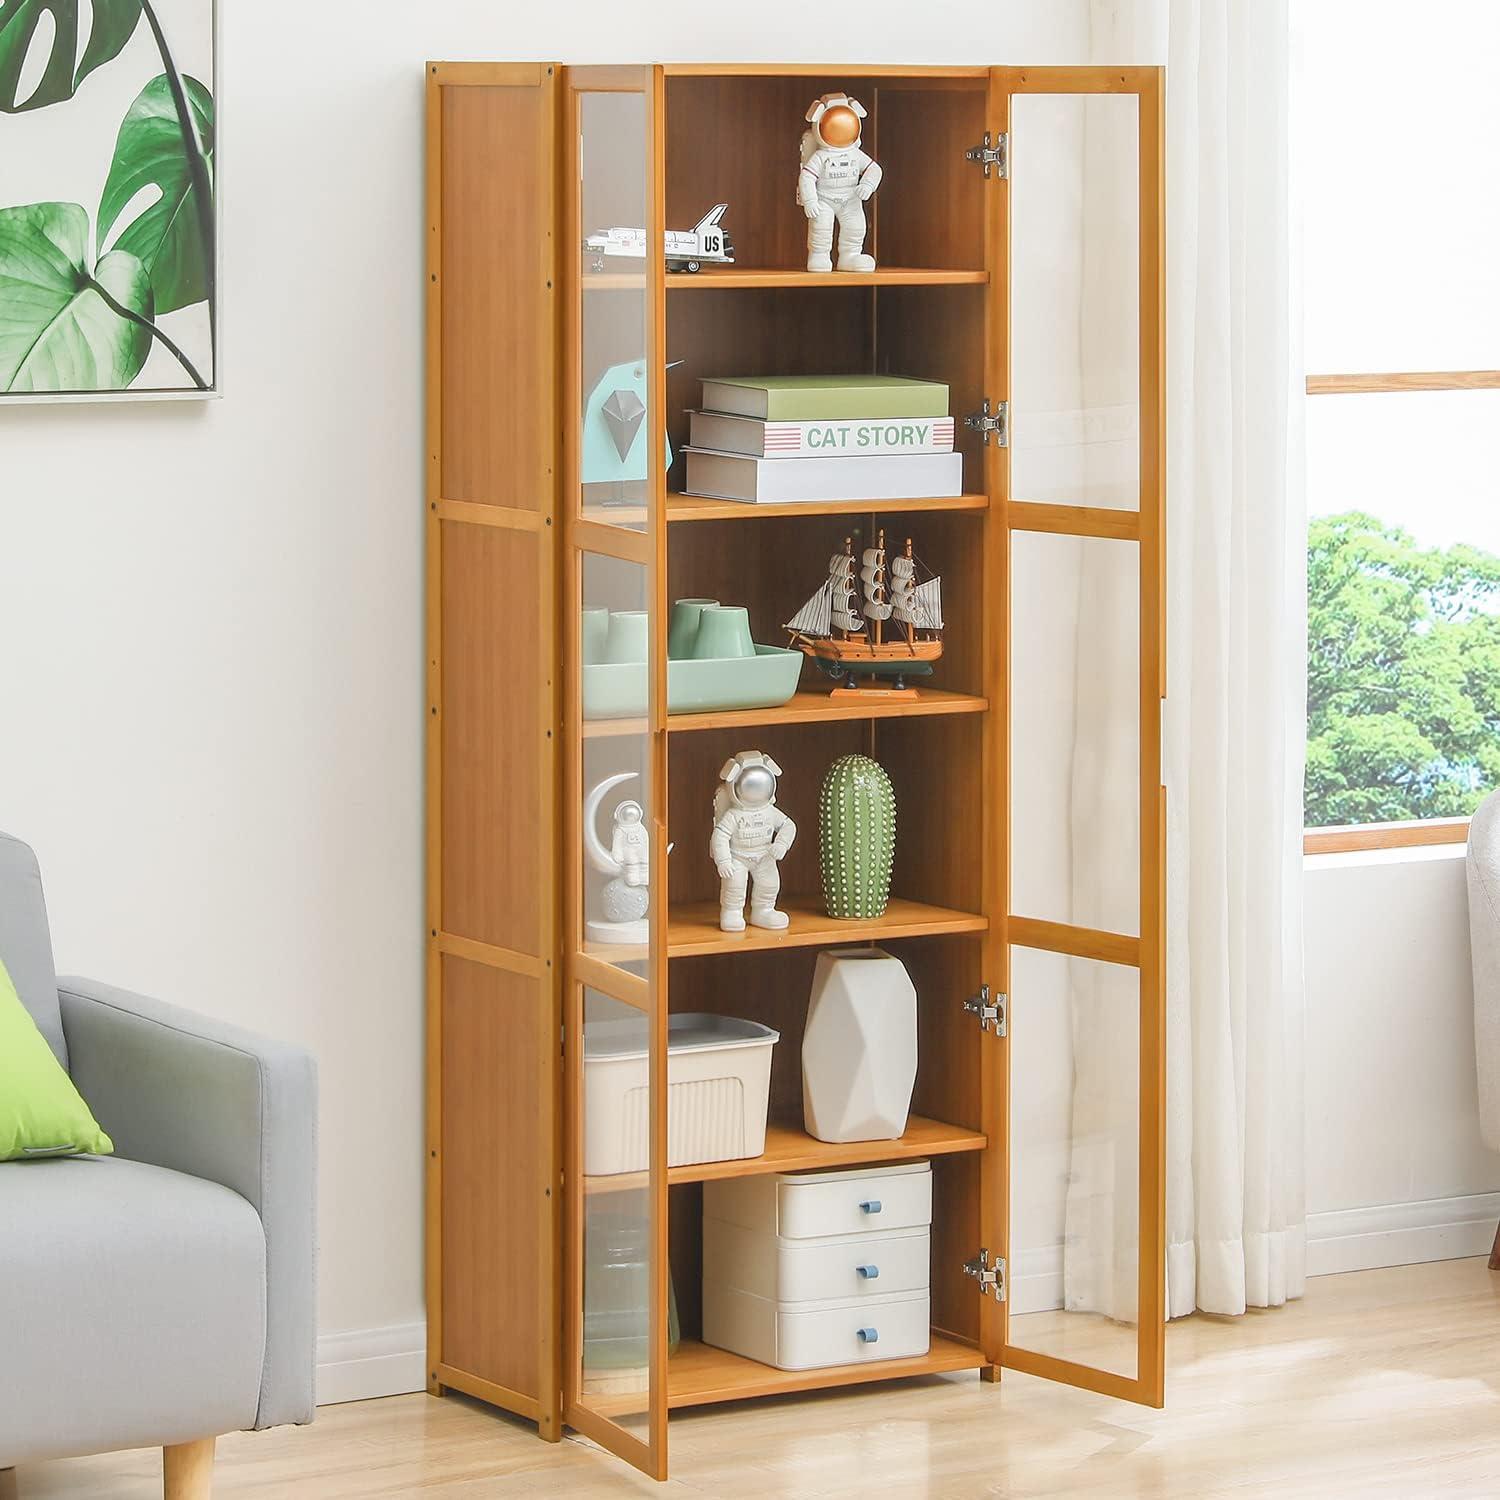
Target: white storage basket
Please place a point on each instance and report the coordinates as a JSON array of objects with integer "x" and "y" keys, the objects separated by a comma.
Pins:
[{"x": 718, "y": 1086}]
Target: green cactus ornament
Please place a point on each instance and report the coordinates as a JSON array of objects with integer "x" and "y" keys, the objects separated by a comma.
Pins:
[{"x": 856, "y": 837}]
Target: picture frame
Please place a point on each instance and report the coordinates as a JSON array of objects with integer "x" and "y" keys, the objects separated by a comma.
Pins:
[{"x": 111, "y": 250}]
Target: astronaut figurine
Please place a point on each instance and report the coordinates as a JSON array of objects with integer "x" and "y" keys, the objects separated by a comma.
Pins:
[
  {"x": 630, "y": 848},
  {"x": 836, "y": 178},
  {"x": 751, "y": 836}
]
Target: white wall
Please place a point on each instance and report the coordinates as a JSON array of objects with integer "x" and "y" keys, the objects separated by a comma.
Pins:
[
  {"x": 211, "y": 614},
  {"x": 1396, "y": 1171}
]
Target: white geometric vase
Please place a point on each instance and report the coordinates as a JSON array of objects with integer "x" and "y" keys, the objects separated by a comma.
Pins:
[{"x": 859, "y": 1051}]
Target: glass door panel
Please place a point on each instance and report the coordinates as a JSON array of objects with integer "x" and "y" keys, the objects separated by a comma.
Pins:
[
  {"x": 1075, "y": 750},
  {"x": 1075, "y": 1157},
  {"x": 616, "y": 860},
  {"x": 614, "y": 1375},
  {"x": 1082, "y": 495},
  {"x": 616, "y": 432},
  {"x": 617, "y": 1315},
  {"x": 1075, "y": 333}
]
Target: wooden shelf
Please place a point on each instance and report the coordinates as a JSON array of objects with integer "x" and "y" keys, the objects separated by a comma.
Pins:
[
  {"x": 699, "y": 508},
  {"x": 790, "y": 1149},
  {"x": 802, "y": 708},
  {"x": 699, "y": 1374},
  {"x": 820, "y": 708},
  {"x": 694, "y": 929},
  {"x": 745, "y": 276}
]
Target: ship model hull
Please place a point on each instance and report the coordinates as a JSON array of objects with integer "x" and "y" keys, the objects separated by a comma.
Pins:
[{"x": 887, "y": 664}]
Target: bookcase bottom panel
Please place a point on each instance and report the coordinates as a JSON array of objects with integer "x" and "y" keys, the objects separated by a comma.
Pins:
[{"x": 699, "y": 1375}]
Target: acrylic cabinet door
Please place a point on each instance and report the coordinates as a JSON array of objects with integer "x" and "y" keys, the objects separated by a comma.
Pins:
[
  {"x": 1078, "y": 357},
  {"x": 615, "y": 985}
]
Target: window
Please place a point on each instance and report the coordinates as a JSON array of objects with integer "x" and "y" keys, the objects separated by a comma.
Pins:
[{"x": 1401, "y": 210}]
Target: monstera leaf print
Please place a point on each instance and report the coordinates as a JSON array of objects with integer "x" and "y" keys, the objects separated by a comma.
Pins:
[
  {"x": 61, "y": 327},
  {"x": 172, "y": 237},
  {"x": 111, "y": 24}
]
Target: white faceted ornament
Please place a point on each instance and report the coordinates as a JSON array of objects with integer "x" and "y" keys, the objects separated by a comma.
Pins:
[{"x": 859, "y": 1051}]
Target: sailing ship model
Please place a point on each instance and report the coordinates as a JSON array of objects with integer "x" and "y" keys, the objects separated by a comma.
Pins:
[{"x": 874, "y": 616}]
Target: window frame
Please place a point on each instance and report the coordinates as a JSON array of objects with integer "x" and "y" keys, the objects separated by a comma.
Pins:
[{"x": 1356, "y": 837}]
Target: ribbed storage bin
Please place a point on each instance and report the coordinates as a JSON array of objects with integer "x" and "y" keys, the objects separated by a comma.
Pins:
[{"x": 718, "y": 1086}]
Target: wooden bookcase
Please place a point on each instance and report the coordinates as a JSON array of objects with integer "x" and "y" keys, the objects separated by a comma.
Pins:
[{"x": 523, "y": 161}]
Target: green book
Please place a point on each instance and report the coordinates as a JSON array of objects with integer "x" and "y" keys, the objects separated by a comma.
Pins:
[{"x": 824, "y": 398}]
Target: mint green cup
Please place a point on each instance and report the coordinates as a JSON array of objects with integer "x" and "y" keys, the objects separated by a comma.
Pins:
[
  {"x": 595, "y": 634},
  {"x": 682, "y": 631},
  {"x": 723, "y": 633},
  {"x": 629, "y": 635}
]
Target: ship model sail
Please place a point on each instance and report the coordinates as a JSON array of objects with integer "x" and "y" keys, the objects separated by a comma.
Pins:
[{"x": 874, "y": 616}]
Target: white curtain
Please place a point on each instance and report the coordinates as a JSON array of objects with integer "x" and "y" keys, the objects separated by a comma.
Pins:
[{"x": 1235, "y": 726}]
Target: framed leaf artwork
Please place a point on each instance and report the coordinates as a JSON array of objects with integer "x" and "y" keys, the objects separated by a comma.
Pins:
[{"x": 108, "y": 204}]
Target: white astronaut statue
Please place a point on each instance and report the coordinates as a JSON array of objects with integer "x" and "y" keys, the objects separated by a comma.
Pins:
[
  {"x": 625, "y": 898},
  {"x": 836, "y": 179},
  {"x": 630, "y": 848},
  {"x": 751, "y": 836}
]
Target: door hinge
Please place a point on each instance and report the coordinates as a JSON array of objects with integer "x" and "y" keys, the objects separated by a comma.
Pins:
[
  {"x": 990, "y": 1274},
  {"x": 990, "y": 1008},
  {"x": 993, "y": 154},
  {"x": 992, "y": 417}
]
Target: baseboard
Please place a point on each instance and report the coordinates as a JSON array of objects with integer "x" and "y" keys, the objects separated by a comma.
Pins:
[
  {"x": 370, "y": 1362},
  {"x": 366, "y": 1363},
  {"x": 1401, "y": 1234}
]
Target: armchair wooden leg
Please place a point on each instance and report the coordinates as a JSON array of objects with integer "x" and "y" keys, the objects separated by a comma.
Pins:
[
  {"x": 188, "y": 1470},
  {"x": 7, "y": 1484},
  {"x": 1494, "y": 1266}
]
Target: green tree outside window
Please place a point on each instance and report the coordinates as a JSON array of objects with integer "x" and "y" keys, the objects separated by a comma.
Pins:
[{"x": 1403, "y": 678}]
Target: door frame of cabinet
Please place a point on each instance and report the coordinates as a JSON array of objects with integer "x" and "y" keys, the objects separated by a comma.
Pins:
[
  {"x": 646, "y": 548},
  {"x": 1146, "y": 528}
]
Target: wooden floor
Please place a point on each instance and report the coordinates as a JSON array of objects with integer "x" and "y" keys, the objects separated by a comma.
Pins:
[{"x": 1378, "y": 1383}]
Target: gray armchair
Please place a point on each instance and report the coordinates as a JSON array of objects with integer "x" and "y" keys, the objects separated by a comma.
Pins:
[{"x": 164, "y": 1295}]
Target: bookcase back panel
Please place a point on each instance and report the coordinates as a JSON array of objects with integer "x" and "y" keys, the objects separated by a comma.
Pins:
[
  {"x": 773, "y": 988},
  {"x": 736, "y": 141},
  {"x": 496, "y": 325},
  {"x": 937, "y": 768},
  {"x": 937, "y": 333},
  {"x": 771, "y": 565},
  {"x": 932, "y": 212},
  {"x": 496, "y": 1148},
  {"x": 738, "y": 331}
]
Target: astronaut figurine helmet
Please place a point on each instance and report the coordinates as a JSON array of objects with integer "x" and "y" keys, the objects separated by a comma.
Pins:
[
  {"x": 835, "y": 120},
  {"x": 750, "y": 778}
]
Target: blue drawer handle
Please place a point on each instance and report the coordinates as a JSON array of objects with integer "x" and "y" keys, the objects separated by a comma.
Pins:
[
  {"x": 869, "y": 1336},
  {"x": 870, "y": 1206},
  {"x": 868, "y": 1272}
]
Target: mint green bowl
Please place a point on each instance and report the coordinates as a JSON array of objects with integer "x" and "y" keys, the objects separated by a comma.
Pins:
[{"x": 617, "y": 690}]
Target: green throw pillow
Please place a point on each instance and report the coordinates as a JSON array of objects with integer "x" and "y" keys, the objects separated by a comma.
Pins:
[{"x": 41, "y": 1113}]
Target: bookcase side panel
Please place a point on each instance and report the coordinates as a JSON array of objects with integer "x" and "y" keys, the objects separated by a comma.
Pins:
[
  {"x": 498, "y": 209},
  {"x": 494, "y": 1144},
  {"x": 492, "y": 710}
]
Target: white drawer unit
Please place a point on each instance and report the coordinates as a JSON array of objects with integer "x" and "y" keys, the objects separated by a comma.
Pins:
[
  {"x": 826, "y": 1268},
  {"x": 846, "y": 1265},
  {"x": 816, "y": 1204},
  {"x": 808, "y": 1335}
]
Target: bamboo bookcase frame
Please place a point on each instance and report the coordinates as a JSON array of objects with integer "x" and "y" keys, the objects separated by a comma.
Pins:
[{"x": 506, "y": 738}]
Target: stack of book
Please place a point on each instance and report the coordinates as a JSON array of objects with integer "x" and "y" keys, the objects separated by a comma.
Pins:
[{"x": 777, "y": 438}]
